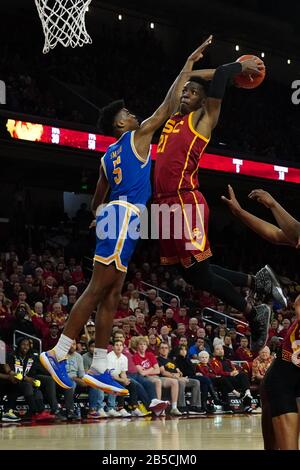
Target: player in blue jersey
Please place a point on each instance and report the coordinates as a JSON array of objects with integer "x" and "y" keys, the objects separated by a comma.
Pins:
[{"x": 125, "y": 171}]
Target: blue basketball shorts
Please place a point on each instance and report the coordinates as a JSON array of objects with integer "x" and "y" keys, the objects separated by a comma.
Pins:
[{"x": 117, "y": 233}]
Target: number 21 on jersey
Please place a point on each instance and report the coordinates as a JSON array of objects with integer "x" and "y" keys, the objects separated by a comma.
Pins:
[{"x": 171, "y": 127}]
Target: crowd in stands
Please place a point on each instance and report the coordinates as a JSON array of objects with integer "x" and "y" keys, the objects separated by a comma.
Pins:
[
  {"x": 253, "y": 122},
  {"x": 163, "y": 342}
]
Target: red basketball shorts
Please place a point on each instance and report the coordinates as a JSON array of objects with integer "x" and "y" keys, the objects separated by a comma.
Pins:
[{"x": 182, "y": 228}]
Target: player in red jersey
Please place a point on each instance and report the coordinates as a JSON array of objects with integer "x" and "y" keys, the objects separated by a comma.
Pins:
[
  {"x": 281, "y": 385},
  {"x": 181, "y": 144}
]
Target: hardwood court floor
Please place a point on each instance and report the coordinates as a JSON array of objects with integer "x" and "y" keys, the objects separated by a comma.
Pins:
[{"x": 197, "y": 433}]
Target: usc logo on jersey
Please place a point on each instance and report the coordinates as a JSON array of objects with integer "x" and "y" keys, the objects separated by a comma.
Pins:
[{"x": 171, "y": 127}]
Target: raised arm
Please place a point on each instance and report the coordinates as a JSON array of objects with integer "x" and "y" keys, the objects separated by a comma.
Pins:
[
  {"x": 144, "y": 134},
  {"x": 223, "y": 75},
  {"x": 264, "y": 229},
  {"x": 187, "y": 72},
  {"x": 289, "y": 225}
]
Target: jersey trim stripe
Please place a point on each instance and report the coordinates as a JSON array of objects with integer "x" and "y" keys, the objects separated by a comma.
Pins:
[
  {"x": 135, "y": 151},
  {"x": 190, "y": 122},
  {"x": 196, "y": 169},
  {"x": 110, "y": 259},
  {"x": 195, "y": 243},
  {"x": 123, "y": 231},
  {"x": 186, "y": 163},
  {"x": 202, "y": 223},
  {"x": 119, "y": 246}
]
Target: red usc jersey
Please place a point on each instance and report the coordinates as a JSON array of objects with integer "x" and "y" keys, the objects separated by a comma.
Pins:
[
  {"x": 291, "y": 342},
  {"x": 244, "y": 354},
  {"x": 217, "y": 366},
  {"x": 179, "y": 149},
  {"x": 207, "y": 371}
]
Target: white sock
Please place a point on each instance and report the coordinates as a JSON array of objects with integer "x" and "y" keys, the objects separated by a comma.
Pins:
[
  {"x": 248, "y": 393},
  {"x": 63, "y": 347},
  {"x": 174, "y": 405},
  {"x": 236, "y": 393},
  {"x": 99, "y": 362}
]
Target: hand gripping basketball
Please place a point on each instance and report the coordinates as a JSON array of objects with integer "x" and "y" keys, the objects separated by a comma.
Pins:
[{"x": 253, "y": 73}]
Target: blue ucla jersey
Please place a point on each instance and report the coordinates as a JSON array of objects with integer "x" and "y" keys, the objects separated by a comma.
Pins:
[
  {"x": 118, "y": 223},
  {"x": 127, "y": 174}
]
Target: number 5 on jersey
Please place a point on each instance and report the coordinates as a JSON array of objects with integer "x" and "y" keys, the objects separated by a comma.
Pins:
[{"x": 117, "y": 170}]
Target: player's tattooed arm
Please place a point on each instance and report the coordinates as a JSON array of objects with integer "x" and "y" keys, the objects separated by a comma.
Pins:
[
  {"x": 101, "y": 191},
  {"x": 289, "y": 225},
  {"x": 264, "y": 229}
]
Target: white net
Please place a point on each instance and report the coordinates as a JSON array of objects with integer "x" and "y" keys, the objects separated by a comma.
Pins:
[{"x": 64, "y": 22}]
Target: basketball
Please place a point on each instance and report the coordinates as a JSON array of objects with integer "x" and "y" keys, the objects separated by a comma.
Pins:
[{"x": 243, "y": 80}]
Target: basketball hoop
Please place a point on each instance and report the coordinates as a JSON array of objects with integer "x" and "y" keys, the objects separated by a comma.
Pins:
[{"x": 63, "y": 21}]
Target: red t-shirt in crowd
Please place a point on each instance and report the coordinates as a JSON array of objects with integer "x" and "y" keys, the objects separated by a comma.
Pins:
[
  {"x": 242, "y": 354},
  {"x": 58, "y": 275},
  {"x": 207, "y": 300},
  {"x": 284, "y": 334},
  {"x": 48, "y": 273},
  {"x": 122, "y": 314},
  {"x": 77, "y": 276},
  {"x": 207, "y": 371},
  {"x": 217, "y": 365},
  {"x": 179, "y": 319},
  {"x": 272, "y": 332},
  {"x": 141, "y": 330},
  {"x": 160, "y": 321},
  {"x": 48, "y": 342},
  {"x": 127, "y": 340},
  {"x": 148, "y": 361}
]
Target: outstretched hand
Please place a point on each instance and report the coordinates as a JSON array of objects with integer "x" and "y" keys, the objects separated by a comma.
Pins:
[
  {"x": 232, "y": 201},
  {"x": 198, "y": 53},
  {"x": 263, "y": 197}
]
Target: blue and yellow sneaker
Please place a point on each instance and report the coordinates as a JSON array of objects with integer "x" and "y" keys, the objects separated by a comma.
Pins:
[
  {"x": 57, "y": 369},
  {"x": 104, "y": 382}
]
